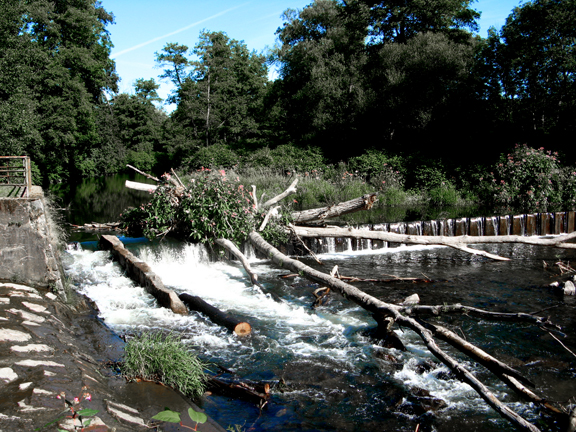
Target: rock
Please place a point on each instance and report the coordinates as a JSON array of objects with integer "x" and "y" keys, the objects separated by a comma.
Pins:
[{"x": 569, "y": 288}]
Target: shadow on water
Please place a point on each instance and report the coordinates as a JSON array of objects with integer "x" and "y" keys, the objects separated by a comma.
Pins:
[{"x": 100, "y": 199}]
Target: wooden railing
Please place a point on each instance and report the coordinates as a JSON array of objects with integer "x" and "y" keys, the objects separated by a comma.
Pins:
[{"x": 15, "y": 176}]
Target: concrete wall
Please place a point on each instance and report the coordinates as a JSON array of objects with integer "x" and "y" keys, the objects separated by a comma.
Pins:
[{"x": 27, "y": 255}]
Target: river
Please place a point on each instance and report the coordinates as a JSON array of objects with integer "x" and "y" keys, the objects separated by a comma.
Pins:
[{"x": 338, "y": 377}]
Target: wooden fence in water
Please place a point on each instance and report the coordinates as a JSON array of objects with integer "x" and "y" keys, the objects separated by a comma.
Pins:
[{"x": 532, "y": 224}]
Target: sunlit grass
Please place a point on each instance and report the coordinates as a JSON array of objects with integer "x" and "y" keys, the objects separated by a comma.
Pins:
[{"x": 164, "y": 358}]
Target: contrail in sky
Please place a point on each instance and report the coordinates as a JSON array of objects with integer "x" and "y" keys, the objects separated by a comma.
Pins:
[{"x": 176, "y": 31}]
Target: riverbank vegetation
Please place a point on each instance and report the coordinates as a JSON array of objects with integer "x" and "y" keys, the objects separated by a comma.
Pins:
[
  {"x": 404, "y": 99},
  {"x": 164, "y": 358}
]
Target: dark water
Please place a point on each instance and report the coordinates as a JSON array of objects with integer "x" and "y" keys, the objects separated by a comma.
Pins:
[
  {"x": 100, "y": 199},
  {"x": 339, "y": 378}
]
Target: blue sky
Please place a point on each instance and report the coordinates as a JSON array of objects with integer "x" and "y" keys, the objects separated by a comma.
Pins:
[{"x": 143, "y": 27}]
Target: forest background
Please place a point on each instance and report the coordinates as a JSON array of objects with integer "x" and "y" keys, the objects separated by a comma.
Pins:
[{"x": 397, "y": 96}]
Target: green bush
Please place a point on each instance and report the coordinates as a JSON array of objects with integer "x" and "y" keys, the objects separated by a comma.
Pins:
[
  {"x": 444, "y": 195},
  {"x": 286, "y": 159},
  {"x": 213, "y": 206},
  {"x": 529, "y": 179},
  {"x": 165, "y": 359},
  {"x": 214, "y": 157}
]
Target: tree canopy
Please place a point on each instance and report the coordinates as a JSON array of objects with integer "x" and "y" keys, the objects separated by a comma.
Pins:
[{"x": 404, "y": 77}]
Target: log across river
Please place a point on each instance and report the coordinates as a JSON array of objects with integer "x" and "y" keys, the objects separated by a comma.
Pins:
[{"x": 337, "y": 377}]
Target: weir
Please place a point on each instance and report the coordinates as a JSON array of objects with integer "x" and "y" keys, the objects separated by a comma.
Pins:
[{"x": 532, "y": 224}]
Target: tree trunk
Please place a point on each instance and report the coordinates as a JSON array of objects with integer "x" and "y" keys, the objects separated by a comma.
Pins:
[
  {"x": 241, "y": 328},
  {"x": 320, "y": 214}
]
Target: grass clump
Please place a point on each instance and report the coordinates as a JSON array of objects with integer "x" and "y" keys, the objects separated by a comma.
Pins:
[{"x": 164, "y": 358}]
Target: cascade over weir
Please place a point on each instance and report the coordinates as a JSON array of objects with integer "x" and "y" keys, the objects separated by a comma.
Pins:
[{"x": 533, "y": 224}]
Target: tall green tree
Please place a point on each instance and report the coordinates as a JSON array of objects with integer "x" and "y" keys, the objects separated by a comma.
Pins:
[
  {"x": 322, "y": 60},
  {"x": 530, "y": 71},
  {"x": 220, "y": 101},
  {"x": 401, "y": 20},
  {"x": 383, "y": 71},
  {"x": 66, "y": 71}
]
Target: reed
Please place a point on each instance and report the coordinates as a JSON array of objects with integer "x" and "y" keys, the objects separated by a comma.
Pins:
[{"x": 153, "y": 356}]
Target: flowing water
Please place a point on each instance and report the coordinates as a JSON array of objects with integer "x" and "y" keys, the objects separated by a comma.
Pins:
[{"x": 338, "y": 376}]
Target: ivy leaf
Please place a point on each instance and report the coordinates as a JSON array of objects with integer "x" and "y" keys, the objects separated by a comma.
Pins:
[
  {"x": 168, "y": 416},
  {"x": 87, "y": 412},
  {"x": 196, "y": 416}
]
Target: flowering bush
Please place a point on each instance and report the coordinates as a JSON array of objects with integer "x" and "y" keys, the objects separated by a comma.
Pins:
[
  {"x": 211, "y": 207},
  {"x": 530, "y": 179}
]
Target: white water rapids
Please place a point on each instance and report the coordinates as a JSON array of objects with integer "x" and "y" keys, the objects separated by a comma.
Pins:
[{"x": 333, "y": 364}]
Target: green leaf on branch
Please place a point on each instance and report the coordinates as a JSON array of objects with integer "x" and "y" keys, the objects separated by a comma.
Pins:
[
  {"x": 197, "y": 416},
  {"x": 168, "y": 416}
]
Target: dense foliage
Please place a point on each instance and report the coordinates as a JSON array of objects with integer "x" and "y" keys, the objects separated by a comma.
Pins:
[
  {"x": 393, "y": 90},
  {"x": 211, "y": 207}
]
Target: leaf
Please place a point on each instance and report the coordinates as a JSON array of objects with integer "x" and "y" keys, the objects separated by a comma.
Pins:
[
  {"x": 87, "y": 412},
  {"x": 168, "y": 416},
  {"x": 196, "y": 416}
]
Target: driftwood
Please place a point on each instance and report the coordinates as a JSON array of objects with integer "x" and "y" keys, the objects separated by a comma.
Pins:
[
  {"x": 94, "y": 226},
  {"x": 143, "y": 173},
  {"x": 320, "y": 214},
  {"x": 241, "y": 328},
  {"x": 457, "y": 241},
  {"x": 140, "y": 186},
  {"x": 231, "y": 247},
  {"x": 258, "y": 394}
]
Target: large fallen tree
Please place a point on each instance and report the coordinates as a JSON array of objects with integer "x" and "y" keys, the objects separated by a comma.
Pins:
[{"x": 216, "y": 211}]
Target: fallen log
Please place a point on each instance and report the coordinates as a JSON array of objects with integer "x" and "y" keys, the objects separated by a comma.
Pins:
[
  {"x": 457, "y": 241},
  {"x": 241, "y": 328},
  {"x": 391, "y": 311},
  {"x": 258, "y": 394},
  {"x": 357, "y": 204},
  {"x": 140, "y": 186}
]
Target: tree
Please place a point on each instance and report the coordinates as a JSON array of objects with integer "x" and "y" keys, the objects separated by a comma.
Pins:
[
  {"x": 401, "y": 20},
  {"x": 531, "y": 71},
  {"x": 146, "y": 90},
  {"x": 173, "y": 57},
  {"x": 386, "y": 70},
  {"x": 322, "y": 59},
  {"x": 139, "y": 124},
  {"x": 220, "y": 101},
  {"x": 65, "y": 71}
]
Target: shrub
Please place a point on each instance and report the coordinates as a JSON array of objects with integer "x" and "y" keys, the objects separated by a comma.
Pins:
[
  {"x": 213, "y": 206},
  {"x": 444, "y": 195},
  {"x": 165, "y": 359},
  {"x": 214, "y": 156},
  {"x": 287, "y": 159},
  {"x": 529, "y": 179}
]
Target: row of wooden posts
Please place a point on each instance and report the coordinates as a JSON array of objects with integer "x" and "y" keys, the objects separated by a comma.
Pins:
[{"x": 532, "y": 224}]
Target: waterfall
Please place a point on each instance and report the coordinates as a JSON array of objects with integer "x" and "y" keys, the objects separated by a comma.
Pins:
[{"x": 524, "y": 224}]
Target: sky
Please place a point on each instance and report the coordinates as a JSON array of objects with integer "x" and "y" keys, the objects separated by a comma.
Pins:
[{"x": 144, "y": 27}]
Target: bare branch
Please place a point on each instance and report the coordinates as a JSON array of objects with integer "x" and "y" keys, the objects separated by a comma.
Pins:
[
  {"x": 143, "y": 173},
  {"x": 241, "y": 257},
  {"x": 291, "y": 190}
]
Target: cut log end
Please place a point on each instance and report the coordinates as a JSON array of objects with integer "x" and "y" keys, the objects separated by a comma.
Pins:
[{"x": 243, "y": 329}]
